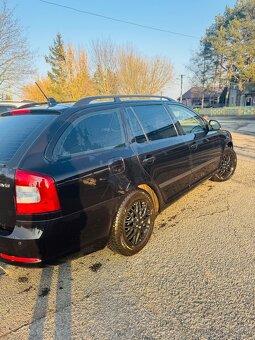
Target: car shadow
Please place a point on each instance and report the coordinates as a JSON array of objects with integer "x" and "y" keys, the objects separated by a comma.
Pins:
[
  {"x": 63, "y": 307},
  {"x": 245, "y": 155},
  {"x": 41, "y": 305},
  {"x": 63, "y": 321}
]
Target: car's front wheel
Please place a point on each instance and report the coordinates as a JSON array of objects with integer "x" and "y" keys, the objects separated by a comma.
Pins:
[
  {"x": 227, "y": 166},
  {"x": 133, "y": 224}
]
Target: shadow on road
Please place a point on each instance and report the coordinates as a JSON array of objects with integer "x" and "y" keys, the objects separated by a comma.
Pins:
[
  {"x": 245, "y": 155},
  {"x": 245, "y": 148},
  {"x": 63, "y": 321}
]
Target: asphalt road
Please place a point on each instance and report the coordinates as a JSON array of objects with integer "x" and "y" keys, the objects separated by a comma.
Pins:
[{"x": 194, "y": 280}]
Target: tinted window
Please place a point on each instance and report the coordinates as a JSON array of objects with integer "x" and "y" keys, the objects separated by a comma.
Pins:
[
  {"x": 91, "y": 132},
  {"x": 136, "y": 127},
  {"x": 16, "y": 130},
  {"x": 189, "y": 121},
  {"x": 156, "y": 121}
]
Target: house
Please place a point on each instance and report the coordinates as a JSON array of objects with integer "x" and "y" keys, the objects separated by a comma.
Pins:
[
  {"x": 236, "y": 97},
  {"x": 248, "y": 95},
  {"x": 201, "y": 97}
]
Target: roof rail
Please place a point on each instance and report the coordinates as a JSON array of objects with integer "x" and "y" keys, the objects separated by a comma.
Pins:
[
  {"x": 117, "y": 98},
  {"x": 32, "y": 104}
]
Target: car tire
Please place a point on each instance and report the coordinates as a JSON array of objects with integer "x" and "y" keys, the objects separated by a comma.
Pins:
[
  {"x": 227, "y": 166},
  {"x": 133, "y": 224}
]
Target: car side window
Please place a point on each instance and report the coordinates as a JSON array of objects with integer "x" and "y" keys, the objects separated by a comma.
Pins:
[
  {"x": 155, "y": 121},
  {"x": 138, "y": 133},
  {"x": 91, "y": 132},
  {"x": 188, "y": 120}
]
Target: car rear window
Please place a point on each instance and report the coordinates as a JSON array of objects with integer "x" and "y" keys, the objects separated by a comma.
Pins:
[
  {"x": 101, "y": 130},
  {"x": 15, "y": 131}
]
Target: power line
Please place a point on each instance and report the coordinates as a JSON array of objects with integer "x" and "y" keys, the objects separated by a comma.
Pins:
[{"x": 118, "y": 20}]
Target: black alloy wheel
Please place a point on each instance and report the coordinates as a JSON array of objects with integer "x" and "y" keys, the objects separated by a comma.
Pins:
[
  {"x": 133, "y": 224},
  {"x": 137, "y": 223},
  {"x": 227, "y": 166}
]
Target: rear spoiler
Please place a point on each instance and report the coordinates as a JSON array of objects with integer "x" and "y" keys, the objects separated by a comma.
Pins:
[{"x": 21, "y": 112}]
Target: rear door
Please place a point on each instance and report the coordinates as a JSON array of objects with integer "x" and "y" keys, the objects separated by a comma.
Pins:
[
  {"x": 91, "y": 167},
  {"x": 205, "y": 146},
  {"x": 161, "y": 151}
]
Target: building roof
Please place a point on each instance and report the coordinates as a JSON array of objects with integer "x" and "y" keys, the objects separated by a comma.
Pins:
[{"x": 198, "y": 92}]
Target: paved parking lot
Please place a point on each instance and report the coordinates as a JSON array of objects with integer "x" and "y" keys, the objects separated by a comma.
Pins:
[
  {"x": 194, "y": 280},
  {"x": 241, "y": 124}
]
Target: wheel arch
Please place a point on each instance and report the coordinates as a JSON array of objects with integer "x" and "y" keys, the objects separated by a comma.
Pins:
[
  {"x": 230, "y": 144},
  {"x": 152, "y": 194}
]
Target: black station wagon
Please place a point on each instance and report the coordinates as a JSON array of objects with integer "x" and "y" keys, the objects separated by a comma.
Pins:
[{"x": 98, "y": 172}]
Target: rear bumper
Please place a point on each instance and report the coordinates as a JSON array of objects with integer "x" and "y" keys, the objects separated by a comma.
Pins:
[
  {"x": 45, "y": 238},
  {"x": 49, "y": 240},
  {"x": 39, "y": 242},
  {"x": 21, "y": 244}
]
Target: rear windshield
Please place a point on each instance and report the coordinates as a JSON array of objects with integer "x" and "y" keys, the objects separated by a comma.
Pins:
[{"x": 15, "y": 131}]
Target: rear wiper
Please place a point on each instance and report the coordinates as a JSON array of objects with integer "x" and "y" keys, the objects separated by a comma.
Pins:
[{"x": 2, "y": 165}]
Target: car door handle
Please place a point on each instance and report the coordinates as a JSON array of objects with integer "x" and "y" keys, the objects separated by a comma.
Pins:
[
  {"x": 149, "y": 160},
  {"x": 193, "y": 146}
]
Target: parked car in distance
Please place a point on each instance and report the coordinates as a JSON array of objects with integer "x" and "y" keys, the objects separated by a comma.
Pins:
[{"x": 98, "y": 172}]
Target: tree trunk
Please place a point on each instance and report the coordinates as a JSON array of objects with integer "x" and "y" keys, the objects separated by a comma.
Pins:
[{"x": 202, "y": 101}]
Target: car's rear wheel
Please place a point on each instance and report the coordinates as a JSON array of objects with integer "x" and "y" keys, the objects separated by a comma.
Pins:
[
  {"x": 133, "y": 224},
  {"x": 227, "y": 166}
]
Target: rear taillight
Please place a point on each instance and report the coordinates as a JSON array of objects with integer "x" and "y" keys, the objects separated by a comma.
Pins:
[
  {"x": 19, "y": 112},
  {"x": 35, "y": 193}
]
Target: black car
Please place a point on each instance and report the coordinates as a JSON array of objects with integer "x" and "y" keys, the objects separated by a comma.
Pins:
[{"x": 98, "y": 172}]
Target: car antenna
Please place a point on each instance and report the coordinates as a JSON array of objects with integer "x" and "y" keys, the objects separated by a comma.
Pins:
[{"x": 50, "y": 101}]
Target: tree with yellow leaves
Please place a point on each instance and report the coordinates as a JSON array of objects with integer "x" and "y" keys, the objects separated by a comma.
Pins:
[
  {"x": 31, "y": 91},
  {"x": 115, "y": 70},
  {"x": 68, "y": 78}
]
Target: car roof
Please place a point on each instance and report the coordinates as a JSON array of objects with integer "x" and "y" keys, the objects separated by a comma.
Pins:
[
  {"x": 58, "y": 107},
  {"x": 35, "y": 109},
  {"x": 119, "y": 98},
  {"x": 91, "y": 102}
]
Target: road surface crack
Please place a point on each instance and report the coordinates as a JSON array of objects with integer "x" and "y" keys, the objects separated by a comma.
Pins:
[{"x": 215, "y": 212}]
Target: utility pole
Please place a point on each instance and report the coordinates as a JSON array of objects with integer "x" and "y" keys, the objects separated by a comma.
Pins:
[{"x": 182, "y": 75}]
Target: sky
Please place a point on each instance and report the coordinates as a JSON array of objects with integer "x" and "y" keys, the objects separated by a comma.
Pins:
[{"x": 189, "y": 17}]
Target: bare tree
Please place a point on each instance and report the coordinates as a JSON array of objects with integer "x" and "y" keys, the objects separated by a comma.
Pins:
[
  {"x": 124, "y": 70},
  {"x": 138, "y": 74},
  {"x": 15, "y": 56},
  {"x": 104, "y": 61}
]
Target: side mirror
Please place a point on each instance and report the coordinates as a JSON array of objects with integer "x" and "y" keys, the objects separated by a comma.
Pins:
[{"x": 214, "y": 125}]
